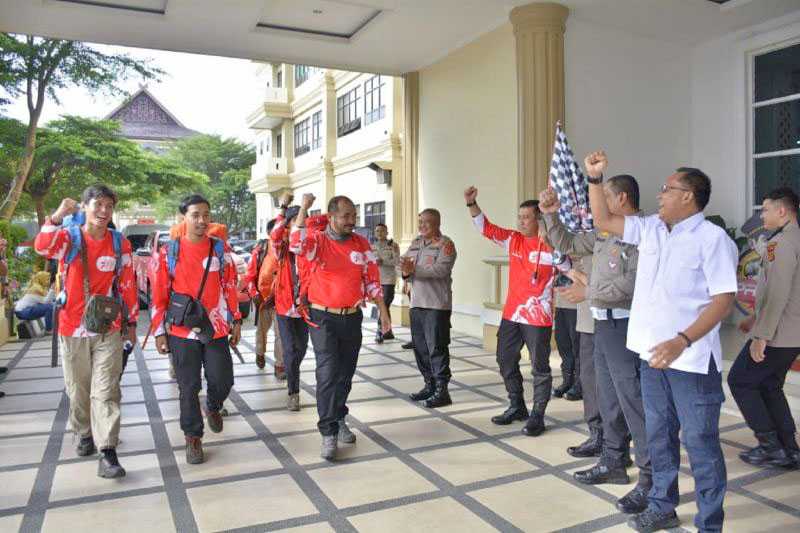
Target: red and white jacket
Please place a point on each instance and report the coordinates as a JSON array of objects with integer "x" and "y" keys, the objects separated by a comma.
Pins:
[
  {"x": 344, "y": 273},
  {"x": 532, "y": 265},
  {"x": 53, "y": 242},
  {"x": 219, "y": 296}
]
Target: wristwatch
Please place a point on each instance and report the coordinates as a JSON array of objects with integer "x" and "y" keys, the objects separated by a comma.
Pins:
[{"x": 595, "y": 181}]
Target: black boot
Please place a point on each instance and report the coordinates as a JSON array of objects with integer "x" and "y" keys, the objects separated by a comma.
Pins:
[
  {"x": 792, "y": 450},
  {"x": 591, "y": 447},
  {"x": 603, "y": 473},
  {"x": 566, "y": 384},
  {"x": 769, "y": 451},
  {"x": 516, "y": 411},
  {"x": 109, "y": 466},
  {"x": 86, "y": 446},
  {"x": 635, "y": 501},
  {"x": 575, "y": 393},
  {"x": 424, "y": 393},
  {"x": 535, "y": 424},
  {"x": 440, "y": 396}
]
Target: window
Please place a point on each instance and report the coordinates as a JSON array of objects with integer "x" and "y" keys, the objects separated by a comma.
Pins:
[
  {"x": 279, "y": 145},
  {"x": 279, "y": 78},
  {"x": 316, "y": 131},
  {"x": 374, "y": 214},
  {"x": 358, "y": 215},
  {"x": 347, "y": 113},
  {"x": 374, "y": 108},
  {"x": 776, "y": 121},
  {"x": 302, "y": 73},
  {"x": 301, "y": 145}
]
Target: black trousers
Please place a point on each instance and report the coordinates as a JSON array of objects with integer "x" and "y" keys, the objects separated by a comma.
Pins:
[
  {"x": 510, "y": 338},
  {"x": 430, "y": 333},
  {"x": 591, "y": 412},
  {"x": 619, "y": 395},
  {"x": 758, "y": 389},
  {"x": 336, "y": 342},
  {"x": 190, "y": 357},
  {"x": 568, "y": 340},
  {"x": 294, "y": 337}
]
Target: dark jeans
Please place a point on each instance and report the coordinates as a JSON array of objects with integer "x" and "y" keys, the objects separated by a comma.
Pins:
[
  {"x": 430, "y": 333},
  {"x": 689, "y": 403},
  {"x": 190, "y": 357},
  {"x": 591, "y": 412},
  {"x": 758, "y": 389},
  {"x": 336, "y": 342},
  {"x": 37, "y": 311},
  {"x": 568, "y": 340},
  {"x": 294, "y": 337},
  {"x": 510, "y": 338},
  {"x": 619, "y": 394}
]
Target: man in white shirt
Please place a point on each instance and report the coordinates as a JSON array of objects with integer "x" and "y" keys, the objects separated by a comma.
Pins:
[{"x": 685, "y": 286}]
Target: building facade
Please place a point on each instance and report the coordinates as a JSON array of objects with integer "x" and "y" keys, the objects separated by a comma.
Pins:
[{"x": 327, "y": 132}]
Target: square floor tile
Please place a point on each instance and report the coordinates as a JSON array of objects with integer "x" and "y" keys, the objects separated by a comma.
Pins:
[
  {"x": 76, "y": 480},
  {"x": 133, "y": 413},
  {"x": 259, "y": 382},
  {"x": 234, "y": 427},
  {"x": 34, "y": 385},
  {"x": 464, "y": 399},
  {"x": 473, "y": 462},
  {"x": 35, "y": 373},
  {"x": 419, "y": 433},
  {"x": 11, "y": 523},
  {"x": 129, "y": 378},
  {"x": 22, "y": 423},
  {"x": 478, "y": 377},
  {"x": 139, "y": 513},
  {"x": 165, "y": 391},
  {"x": 432, "y": 515},
  {"x": 389, "y": 371},
  {"x": 305, "y": 448},
  {"x": 261, "y": 500},
  {"x": 385, "y": 410},
  {"x": 743, "y": 515},
  {"x": 30, "y": 402},
  {"x": 378, "y": 480},
  {"x": 551, "y": 447},
  {"x": 228, "y": 459},
  {"x": 565, "y": 410},
  {"x": 366, "y": 391},
  {"x": 131, "y": 439},
  {"x": 322, "y": 527},
  {"x": 275, "y": 399},
  {"x": 481, "y": 420},
  {"x": 287, "y": 421},
  {"x": 782, "y": 488},
  {"x": 22, "y": 450},
  {"x": 17, "y": 486},
  {"x": 158, "y": 364},
  {"x": 132, "y": 394},
  {"x": 530, "y": 504}
]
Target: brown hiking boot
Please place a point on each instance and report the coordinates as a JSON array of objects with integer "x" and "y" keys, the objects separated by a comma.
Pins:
[
  {"x": 214, "y": 419},
  {"x": 261, "y": 361},
  {"x": 194, "y": 450}
]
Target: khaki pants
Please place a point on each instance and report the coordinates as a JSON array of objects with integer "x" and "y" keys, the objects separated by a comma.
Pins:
[
  {"x": 265, "y": 319},
  {"x": 92, "y": 366}
]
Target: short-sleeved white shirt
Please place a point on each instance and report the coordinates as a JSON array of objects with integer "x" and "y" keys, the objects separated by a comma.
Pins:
[{"x": 678, "y": 273}]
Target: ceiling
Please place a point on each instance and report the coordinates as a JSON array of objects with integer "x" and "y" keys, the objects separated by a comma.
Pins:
[{"x": 388, "y": 36}]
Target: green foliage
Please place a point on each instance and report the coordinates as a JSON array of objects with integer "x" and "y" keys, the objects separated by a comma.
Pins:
[
  {"x": 14, "y": 234},
  {"x": 19, "y": 268}
]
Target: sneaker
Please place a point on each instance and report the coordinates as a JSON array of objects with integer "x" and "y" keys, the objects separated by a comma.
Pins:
[
  {"x": 108, "y": 467},
  {"x": 86, "y": 446},
  {"x": 652, "y": 520},
  {"x": 345, "y": 435},
  {"x": 329, "y": 445},
  {"x": 280, "y": 372},
  {"x": 293, "y": 402},
  {"x": 214, "y": 419},
  {"x": 194, "y": 450},
  {"x": 261, "y": 361},
  {"x": 388, "y": 336}
]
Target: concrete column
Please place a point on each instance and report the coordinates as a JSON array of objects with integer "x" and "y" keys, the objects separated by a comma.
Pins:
[
  {"x": 405, "y": 185},
  {"x": 539, "y": 32}
]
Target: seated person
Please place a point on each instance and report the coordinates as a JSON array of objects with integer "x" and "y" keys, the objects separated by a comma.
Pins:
[{"x": 37, "y": 302}]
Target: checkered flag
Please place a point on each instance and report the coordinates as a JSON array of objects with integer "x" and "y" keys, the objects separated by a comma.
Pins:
[{"x": 570, "y": 186}]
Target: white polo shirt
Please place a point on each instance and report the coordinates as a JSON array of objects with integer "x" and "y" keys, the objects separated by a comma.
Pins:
[{"x": 678, "y": 273}]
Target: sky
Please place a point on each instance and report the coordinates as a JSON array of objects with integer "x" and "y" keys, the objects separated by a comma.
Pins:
[{"x": 208, "y": 94}]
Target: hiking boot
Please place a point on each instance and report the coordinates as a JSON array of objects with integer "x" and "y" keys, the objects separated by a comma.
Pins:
[
  {"x": 261, "y": 360},
  {"x": 424, "y": 393},
  {"x": 214, "y": 419},
  {"x": 280, "y": 372},
  {"x": 575, "y": 393},
  {"x": 440, "y": 398},
  {"x": 516, "y": 411},
  {"x": 345, "y": 435},
  {"x": 559, "y": 391},
  {"x": 601, "y": 474},
  {"x": 635, "y": 501},
  {"x": 388, "y": 336},
  {"x": 194, "y": 450},
  {"x": 86, "y": 446},
  {"x": 329, "y": 445},
  {"x": 792, "y": 450},
  {"x": 652, "y": 520},
  {"x": 769, "y": 452},
  {"x": 534, "y": 426},
  {"x": 293, "y": 402},
  {"x": 591, "y": 447},
  {"x": 108, "y": 467}
]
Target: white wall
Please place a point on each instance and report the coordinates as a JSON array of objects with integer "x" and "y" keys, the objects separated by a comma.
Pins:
[
  {"x": 630, "y": 96},
  {"x": 720, "y": 111},
  {"x": 362, "y": 187}
]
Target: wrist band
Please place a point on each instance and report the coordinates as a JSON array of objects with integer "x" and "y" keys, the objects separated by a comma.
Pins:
[
  {"x": 595, "y": 181},
  {"x": 686, "y": 338},
  {"x": 473, "y": 204}
]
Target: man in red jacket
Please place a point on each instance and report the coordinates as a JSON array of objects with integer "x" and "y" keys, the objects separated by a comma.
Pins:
[
  {"x": 92, "y": 361},
  {"x": 344, "y": 273},
  {"x": 190, "y": 352}
]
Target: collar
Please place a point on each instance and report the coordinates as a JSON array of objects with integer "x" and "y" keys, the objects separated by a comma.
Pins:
[
  {"x": 336, "y": 236},
  {"x": 687, "y": 224},
  {"x": 789, "y": 227}
]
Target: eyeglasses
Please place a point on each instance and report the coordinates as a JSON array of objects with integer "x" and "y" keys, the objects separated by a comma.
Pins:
[{"x": 665, "y": 188}]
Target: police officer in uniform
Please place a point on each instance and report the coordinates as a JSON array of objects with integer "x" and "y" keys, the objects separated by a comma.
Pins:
[
  {"x": 428, "y": 266},
  {"x": 757, "y": 376}
]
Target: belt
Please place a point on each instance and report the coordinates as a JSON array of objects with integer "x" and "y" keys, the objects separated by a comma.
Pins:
[{"x": 336, "y": 310}]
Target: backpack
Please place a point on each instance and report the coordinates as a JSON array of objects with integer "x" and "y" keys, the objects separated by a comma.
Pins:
[
  {"x": 174, "y": 248},
  {"x": 76, "y": 241}
]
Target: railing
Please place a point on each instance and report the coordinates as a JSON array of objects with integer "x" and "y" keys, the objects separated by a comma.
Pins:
[
  {"x": 499, "y": 282},
  {"x": 276, "y": 95},
  {"x": 268, "y": 166}
]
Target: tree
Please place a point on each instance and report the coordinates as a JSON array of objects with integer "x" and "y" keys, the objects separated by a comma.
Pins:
[
  {"x": 227, "y": 164},
  {"x": 38, "y": 68}
]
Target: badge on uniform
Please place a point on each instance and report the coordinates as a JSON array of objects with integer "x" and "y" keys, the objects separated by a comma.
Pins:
[{"x": 771, "y": 251}]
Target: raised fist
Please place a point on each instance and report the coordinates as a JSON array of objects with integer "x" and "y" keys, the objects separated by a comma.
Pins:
[
  {"x": 596, "y": 163},
  {"x": 286, "y": 198},
  {"x": 470, "y": 194},
  {"x": 548, "y": 201},
  {"x": 308, "y": 200},
  {"x": 68, "y": 206}
]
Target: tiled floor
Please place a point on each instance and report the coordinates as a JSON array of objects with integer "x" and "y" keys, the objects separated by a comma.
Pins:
[{"x": 412, "y": 469}]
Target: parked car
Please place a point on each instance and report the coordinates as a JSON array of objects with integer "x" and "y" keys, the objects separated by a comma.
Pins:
[
  {"x": 138, "y": 233},
  {"x": 141, "y": 259}
]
